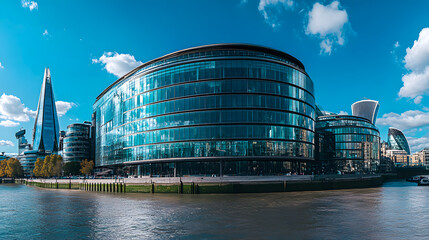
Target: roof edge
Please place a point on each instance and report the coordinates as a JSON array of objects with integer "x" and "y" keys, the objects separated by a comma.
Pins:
[{"x": 214, "y": 46}]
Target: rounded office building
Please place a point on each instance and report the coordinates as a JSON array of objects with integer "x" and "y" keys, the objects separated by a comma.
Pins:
[
  {"x": 77, "y": 142},
  {"x": 348, "y": 144},
  {"x": 224, "y": 109}
]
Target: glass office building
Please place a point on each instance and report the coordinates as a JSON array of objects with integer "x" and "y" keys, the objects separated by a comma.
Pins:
[
  {"x": 367, "y": 109},
  {"x": 348, "y": 144},
  {"x": 224, "y": 109},
  {"x": 46, "y": 127},
  {"x": 397, "y": 140},
  {"x": 77, "y": 142}
]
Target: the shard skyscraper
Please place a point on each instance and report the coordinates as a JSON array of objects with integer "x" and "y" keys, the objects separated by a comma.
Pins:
[{"x": 46, "y": 128}]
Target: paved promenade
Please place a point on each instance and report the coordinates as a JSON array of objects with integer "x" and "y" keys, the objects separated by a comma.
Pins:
[{"x": 224, "y": 179}]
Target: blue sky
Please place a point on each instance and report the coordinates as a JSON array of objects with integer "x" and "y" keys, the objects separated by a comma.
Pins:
[{"x": 351, "y": 49}]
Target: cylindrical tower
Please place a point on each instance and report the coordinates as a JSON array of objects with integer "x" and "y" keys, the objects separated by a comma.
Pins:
[
  {"x": 77, "y": 142},
  {"x": 349, "y": 144}
]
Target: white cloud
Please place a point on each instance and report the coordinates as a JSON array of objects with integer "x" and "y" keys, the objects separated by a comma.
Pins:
[
  {"x": 29, "y": 4},
  {"x": 46, "y": 33},
  {"x": 327, "y": 22},
  {"x": 406, "y": 120},
  {"x": 416, "y": 82},
  {"x": 8, "y": 123},
  {"x": 11, "y": 108},
  {"x": 418, "y": 99},
  {"x": 343, "y": 113},
  {"x": 1, "y": 66},
  {"x": 396, "y": 45},
  {"x": 417, "y": 144},
  {"x": 326, "y": 46},
  {"x": 63, "y": 107},
  {"x": 271, "y": 9},
  {"x": 117, "y": 64},
  {"x": 417, "y": 58},
  {"x": 6, "y": 143}
]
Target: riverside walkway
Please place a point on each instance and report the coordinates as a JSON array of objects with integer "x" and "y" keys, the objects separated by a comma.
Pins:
[{"x": 225, "y": 184}]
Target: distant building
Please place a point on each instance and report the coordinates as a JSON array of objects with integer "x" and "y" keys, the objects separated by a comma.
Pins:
[
  {"x": 3, "y": 156},
  {"x": 399, "y": 157},
  {"x": 421, "y": 158},
  {"x": 415, "y": 159},
  {"x": 397, "y": 140},
  {"x": 77, "y": 142},
  {"x": 46, "y": 128},
  {"x": 348, "y": 144},
  {"x": 367, "y": 109},
  {"x": 386, "y": 163},
  {"x": 23, "y": 145},
  {"x": 61, "y": 142}
]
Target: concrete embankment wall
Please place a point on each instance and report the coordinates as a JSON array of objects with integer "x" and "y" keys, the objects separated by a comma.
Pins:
[
  {"x": 6, "y": 180},
  {"x": 202, "y": 185}
]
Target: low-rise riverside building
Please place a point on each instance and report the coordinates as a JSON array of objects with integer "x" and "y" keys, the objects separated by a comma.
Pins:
[
  {"x": 399, "y": 157},
  {"x": 347, "y": 144}
]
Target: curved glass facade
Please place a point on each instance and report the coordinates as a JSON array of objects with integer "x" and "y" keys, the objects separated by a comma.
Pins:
[
  {"x": 229, "y": 101},
  {"x": 76, "y": 143},
  {"x": 397, "y": 140},
  {"x": 367, "y": 109},
  {"x": 348, "y": 144}
]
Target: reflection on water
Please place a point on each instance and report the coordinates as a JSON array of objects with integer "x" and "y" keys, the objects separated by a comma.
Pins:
[{"x": 397, "y": 210}]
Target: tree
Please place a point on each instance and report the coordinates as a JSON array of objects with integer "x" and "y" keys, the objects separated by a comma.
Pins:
[
  {"x": 45, "y": 167},
  {"x": 14, "y": 168},
  {"x": 38, "y": 168},
  {"x": 86, "y": 167},
  {"x": 58, "y": 165},
  {"x": 71, "y": 168},
  {"x": 3, "y": 166}
]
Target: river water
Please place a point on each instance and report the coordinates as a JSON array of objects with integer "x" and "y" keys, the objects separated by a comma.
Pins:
[{"x": 398, "y": 210}]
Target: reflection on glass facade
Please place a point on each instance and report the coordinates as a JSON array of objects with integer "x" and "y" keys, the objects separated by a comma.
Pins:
[
  {"x": 348, "y": 144},
  {"x": 28, "y": 159},
  {"x": 46, "y": 128},
  {"x": 367, "y": 109},
  {"x": 77, "y": 143},
  {"x": 244, "y": 104},
  {"x": 397, "y": 140}
]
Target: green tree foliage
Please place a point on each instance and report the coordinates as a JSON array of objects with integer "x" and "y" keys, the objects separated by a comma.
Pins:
[
  {"x": 45, "y": 167},
  {"x": 11, "y": 168},
  {"x": 37, "y": 171},
  {"x": 50, "y": 167},
  {"x": 3, "y": 166},
  {"x": 58, "y": 165},
  {"x": 86, "y": 167},
  {"x": 71, "y": 168}
]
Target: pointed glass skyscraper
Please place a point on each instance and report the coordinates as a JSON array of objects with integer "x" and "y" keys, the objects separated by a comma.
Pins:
[{"x": 46, "y": 128}]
